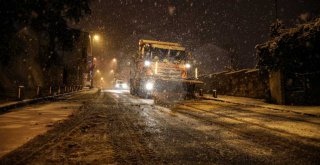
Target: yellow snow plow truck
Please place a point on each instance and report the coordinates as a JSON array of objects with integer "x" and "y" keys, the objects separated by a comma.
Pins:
[{"x": 163, "y": 70}]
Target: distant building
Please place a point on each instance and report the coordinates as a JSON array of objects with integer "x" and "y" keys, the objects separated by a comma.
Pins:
[{"x": 75, "y": 58}]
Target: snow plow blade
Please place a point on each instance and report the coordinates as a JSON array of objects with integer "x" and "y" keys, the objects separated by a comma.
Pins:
[{"x": 175, "y": 89}]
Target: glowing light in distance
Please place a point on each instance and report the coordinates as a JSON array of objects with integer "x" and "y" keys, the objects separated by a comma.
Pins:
[
  {"x": 149, "y": 86},
  {"x": 147, "y": 63},
  {"x": 96, "y": 37},
  {"x": 125, "y": 86}
]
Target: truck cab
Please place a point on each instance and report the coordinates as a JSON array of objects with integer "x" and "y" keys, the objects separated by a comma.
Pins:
[{"x": 161, "y": 67}]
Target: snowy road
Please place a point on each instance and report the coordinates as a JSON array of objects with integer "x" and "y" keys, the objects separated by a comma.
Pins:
[{"x": 115, "y": 127}]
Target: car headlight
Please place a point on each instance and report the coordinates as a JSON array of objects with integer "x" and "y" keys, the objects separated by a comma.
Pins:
[
  {"x": 147, "y": 63},
  {"x": 188, "y": 65},
  {"x": 149, "y": 86},
  {"x": 125, "y": 86},
  {"x": 117, "y": 85}
]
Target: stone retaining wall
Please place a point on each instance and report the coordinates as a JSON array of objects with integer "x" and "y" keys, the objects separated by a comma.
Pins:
[{"x": 244, "y": 83}]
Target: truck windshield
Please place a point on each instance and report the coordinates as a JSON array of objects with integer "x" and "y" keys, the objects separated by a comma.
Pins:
[{"x": 157, "y": 54}]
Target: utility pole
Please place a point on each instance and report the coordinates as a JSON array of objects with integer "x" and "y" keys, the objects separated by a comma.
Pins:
[{"x": 92, "y": 65}]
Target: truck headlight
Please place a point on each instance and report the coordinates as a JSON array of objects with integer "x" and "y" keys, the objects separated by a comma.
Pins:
[
  {"x": 147, "y": 63},
  {"x": 125, "y": 86},
  {"x": 188, "y": 65},
  {"x": 149, "y": 86}
]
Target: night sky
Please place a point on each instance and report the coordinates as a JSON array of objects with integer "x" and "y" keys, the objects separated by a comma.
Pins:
[{"x": 225, "y": 24}]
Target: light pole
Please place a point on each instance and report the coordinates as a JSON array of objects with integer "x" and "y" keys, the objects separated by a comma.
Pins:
[
  {"x": 114, "y": 68},
  {"x": 95, "y": 37},
  {"x": 112, "y": 74},
  {"x": 91, "y": 66}
]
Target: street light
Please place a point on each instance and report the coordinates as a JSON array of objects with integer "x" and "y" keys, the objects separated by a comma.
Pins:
[
  {"x": 96, "y": 37},
  {"x": 114, "y": 60},
  {"x": 98, "y": 71}
]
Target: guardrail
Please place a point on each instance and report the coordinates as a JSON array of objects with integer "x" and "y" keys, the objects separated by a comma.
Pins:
[{"x": 21, "y": 92}]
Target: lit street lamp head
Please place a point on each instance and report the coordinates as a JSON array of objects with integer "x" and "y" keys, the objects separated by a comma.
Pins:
[
  {"x": 114, "y": 60},
  {"x": 96, "y": 37}
]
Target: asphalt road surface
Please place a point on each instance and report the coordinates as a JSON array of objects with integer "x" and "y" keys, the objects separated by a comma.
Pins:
[{"x": 116, "y": 128}]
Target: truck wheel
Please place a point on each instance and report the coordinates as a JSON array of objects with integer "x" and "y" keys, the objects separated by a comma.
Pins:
[{"x": 142, "y": 94}]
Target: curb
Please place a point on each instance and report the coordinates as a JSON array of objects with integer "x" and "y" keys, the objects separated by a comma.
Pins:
[
  {"x": 254, "y": 105},
  {"x": 19, "y": 104}
]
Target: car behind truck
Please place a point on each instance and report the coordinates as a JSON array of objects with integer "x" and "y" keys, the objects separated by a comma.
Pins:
[{"x": 163, "y": 69}]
